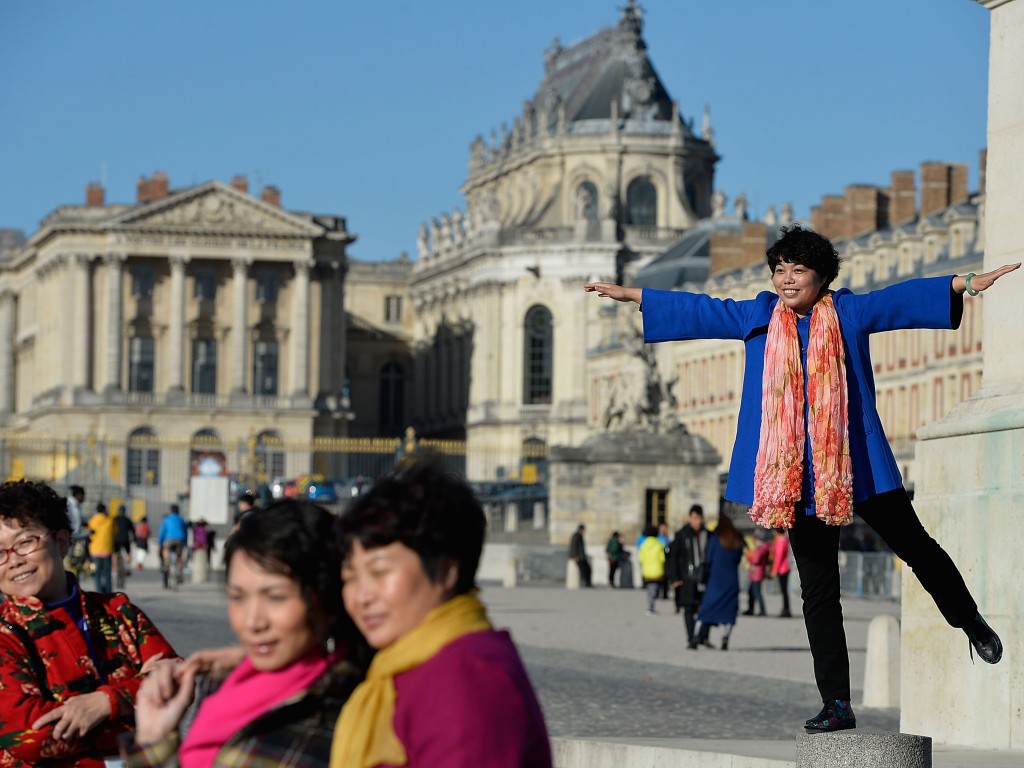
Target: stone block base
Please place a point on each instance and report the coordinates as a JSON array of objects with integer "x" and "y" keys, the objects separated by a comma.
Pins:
[{"x": 860, "y": 748}]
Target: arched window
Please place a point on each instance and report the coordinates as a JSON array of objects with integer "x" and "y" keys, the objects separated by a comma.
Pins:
[
  {"x": 642, "y": 203},
  {"x": 586, "y": 202},
  {"x": 392, "y": 398},
  {"x": 537, "y": 356},
  {"x": 143, "y": 458}
]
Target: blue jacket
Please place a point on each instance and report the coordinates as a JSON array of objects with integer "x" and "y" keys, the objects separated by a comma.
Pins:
[
  {"x": 172, "y": 527},
  {"x": 920, "y": 303}
]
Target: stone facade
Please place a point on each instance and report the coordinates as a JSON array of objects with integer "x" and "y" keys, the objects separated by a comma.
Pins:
[
  {"x": 203, "y": 315},
  {"x": 599, "y": 170}
]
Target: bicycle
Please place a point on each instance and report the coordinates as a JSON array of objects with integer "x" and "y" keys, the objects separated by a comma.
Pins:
[{"x": 173, "y": 565}]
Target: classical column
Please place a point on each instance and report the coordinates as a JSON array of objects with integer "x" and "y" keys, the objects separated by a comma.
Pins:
[
  {"x": 6, "y": 351},
  {"x": 115, "y": 312},
  {"x": 300, "y": 330},
  {"x": 80, "y": 306},
  {"x": 969, "y": 492},
  {"x": 176, "y": 327},
  {"x": 239, "y": 329}
]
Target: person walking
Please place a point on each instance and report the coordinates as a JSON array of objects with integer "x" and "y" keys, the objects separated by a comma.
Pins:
[
  {"x": 578, "y": 554},
  {"x": 141, "y": 542},
  {"x": 101, "y": 546},
  {"x": 686, "y": 567},
  {"x": 613, "y": 550},
  {"x": 124, "y": 537},
  {"x": 780, "y": 568},
  {"x": 721, "y": 600},
  {"x": 652, "y": 566},
  {"x": 810, "y": 450},
  {"x": 757, "y": 560}
]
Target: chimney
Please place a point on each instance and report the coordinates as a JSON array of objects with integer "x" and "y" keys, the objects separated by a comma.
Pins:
[
  {"x": 94, "y": 194},
  {"x": 982, "y": 166},
  {"x": 159, "y": 185},
  {"x": 142, "y": 190},
  {"x": 936, "y": 187},
  {"x": 902, "y": 197},
  {"x": 865, "y": 210},
  {"x": 957, "y": 184},
  {"x": 735, "y": 250},
  {"x": 271, "y": 194},
  {"x": 241, "y": 183},
  {"x": 827, "y": 218},
  {"x": 753, "y": 240}
]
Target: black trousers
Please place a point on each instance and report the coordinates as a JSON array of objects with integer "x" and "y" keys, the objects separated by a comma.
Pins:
[{"x": 815, "y": 547}]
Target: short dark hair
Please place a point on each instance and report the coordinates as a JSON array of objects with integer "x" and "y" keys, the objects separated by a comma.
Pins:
[
  {"x": 697, "y": 509},
  {"x": 430, "y": 511},
  {"x": 804, "y": 246},
  {"x": 29, "y": 502},
  {"x": 293, "y": 538},
  {"x": 77, "y": 490}
]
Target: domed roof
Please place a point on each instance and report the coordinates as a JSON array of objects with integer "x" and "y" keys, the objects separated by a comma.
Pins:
[{"x": 611, "y": 65}]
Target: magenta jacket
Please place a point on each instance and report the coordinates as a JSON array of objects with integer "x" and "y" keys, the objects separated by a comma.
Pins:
[{"x": 469, "y": 706}]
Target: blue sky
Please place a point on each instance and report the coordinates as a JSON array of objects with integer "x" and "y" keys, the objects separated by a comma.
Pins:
[{"x": 367, "y": 109}]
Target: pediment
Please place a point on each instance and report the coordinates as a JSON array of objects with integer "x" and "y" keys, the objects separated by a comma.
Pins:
[{"x": 215, "y": 208}]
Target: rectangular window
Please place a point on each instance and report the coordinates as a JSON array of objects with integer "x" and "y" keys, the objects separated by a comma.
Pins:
[
  {"x": 266, "y": 286},
  {"x": 204, "y": 366},
  {"x": 264, "y": 362},
  {"x": 205, "y": 284},
  {"x": 142, "y": 281},
  {"x": 655, "y": 506},
  {"x": 143, "y": 466},
  {"x": 140, "y": 364},
  {"x": 392, "y": 309}
]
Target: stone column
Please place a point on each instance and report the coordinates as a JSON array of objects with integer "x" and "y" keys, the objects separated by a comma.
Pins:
[
  {"x": 176, "y": 324},
  {"x": 6, "y": 352},
  {"x": 115, "y": 312},
  {"x": 80, "y": 306},
  {"x": 970, "y": 493},
  {"x": 239, "y": 324},
  {"x": 299, "y": 337}
]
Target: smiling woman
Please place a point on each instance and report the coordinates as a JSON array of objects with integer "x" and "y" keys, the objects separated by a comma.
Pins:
[
  {"x": 411, "y": 547},
  {"x": 70, "y": 661},
  {"x": 279, "y": 704}
]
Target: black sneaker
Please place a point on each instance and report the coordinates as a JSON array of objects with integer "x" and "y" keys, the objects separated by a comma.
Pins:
[
  {"x": 836, "y": 715},
  {"x": 984, "y": 640}
]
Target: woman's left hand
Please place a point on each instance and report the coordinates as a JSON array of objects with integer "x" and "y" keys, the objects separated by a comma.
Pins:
[
  {"x": 76, "y": 716},
  {"x": 985, "y": 280}
]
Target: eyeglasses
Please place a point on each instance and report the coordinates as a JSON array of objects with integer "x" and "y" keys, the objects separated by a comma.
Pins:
[{"x": 26, "y": 546}]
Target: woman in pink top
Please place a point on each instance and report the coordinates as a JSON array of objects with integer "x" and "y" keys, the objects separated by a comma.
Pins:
[{"x": 780, "y": 568}]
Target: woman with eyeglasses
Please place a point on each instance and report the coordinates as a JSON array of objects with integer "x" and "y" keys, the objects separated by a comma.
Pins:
[{"x": 70, "y": 661}]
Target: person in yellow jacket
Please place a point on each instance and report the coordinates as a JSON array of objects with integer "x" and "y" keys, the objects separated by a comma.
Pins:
[
  {"x": 101, "y": 546},
  {"x": 652, "y": 565}
]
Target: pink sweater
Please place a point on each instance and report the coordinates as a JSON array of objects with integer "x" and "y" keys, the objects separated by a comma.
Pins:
[{"x": 471, "y": 705}]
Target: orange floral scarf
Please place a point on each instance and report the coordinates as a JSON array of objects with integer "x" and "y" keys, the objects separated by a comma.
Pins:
[{"x": 778, "y": 473}]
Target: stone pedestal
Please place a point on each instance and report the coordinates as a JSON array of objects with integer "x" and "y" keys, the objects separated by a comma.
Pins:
[
  {"x": 860, "y": 748},
  {"x": 604, "y": 482},
  {"x": 882, "y": 663}
]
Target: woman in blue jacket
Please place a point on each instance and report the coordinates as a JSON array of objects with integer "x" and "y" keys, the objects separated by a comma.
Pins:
[{"x": 810, "y": 449}]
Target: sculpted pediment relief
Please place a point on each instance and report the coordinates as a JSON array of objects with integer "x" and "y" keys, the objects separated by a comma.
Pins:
[{"x": 216, "y": 208}]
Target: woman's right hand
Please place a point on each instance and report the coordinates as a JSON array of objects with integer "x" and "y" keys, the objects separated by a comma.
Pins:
[
  {"x": 216, "y": 662},
  {"x": 613, "y": 291},
  {"x": 163, "y": 698}
]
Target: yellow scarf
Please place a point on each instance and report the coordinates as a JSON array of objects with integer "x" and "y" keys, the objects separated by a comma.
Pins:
[
  {"x": 365, "y": 736},
  {"x": 778, "y": 471}
]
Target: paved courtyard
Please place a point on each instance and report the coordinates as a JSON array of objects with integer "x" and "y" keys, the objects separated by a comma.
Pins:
[{"x": 603, "y": 668}]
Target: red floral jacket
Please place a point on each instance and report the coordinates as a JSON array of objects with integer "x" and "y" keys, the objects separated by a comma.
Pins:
[{"x": 123, "y": 639}]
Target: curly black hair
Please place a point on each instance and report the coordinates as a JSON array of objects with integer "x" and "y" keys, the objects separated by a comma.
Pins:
[
  {"x": 804, "y": 246},
  {"x": 431, "y": 511},
  {"x": 29, "y": 502}
]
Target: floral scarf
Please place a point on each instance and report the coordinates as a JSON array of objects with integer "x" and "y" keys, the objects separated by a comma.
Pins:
[{"x": 778, "y": 472}]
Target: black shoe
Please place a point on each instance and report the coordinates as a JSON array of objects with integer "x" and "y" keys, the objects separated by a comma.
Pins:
[
  {"x": 692, "y": 645},
  {"x": 725, "y": 643},
  {"x": 785, "y": 615},
  {"x": 836, "y": 715},
  {"x": 748, "y": 613},
  {"x": 984, "y": 640}
]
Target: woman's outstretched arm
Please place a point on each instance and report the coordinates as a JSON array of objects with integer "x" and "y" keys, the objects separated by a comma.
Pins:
[
  {"x": 613, "y": 291},
  {"x": 983, "y": 280}
]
